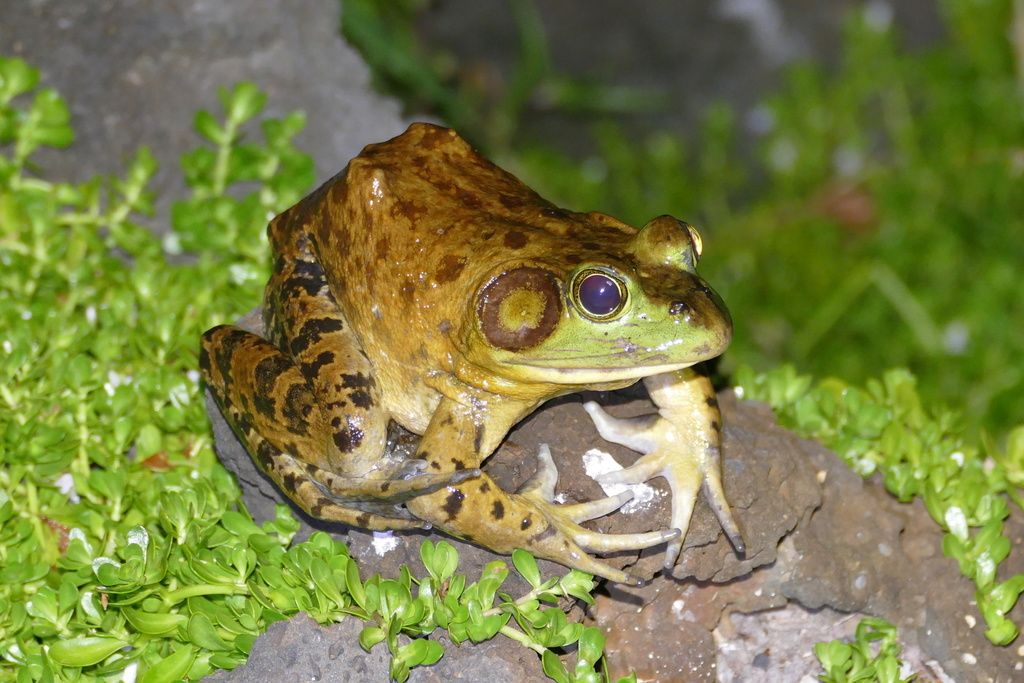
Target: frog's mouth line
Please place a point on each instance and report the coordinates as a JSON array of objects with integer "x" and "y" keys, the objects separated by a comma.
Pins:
[{"x": 604, "y": 373}]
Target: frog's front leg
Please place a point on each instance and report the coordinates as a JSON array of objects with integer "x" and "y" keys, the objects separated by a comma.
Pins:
[
  {"x": 682, "y": 443},
  {"x": 479, "y": 511}
]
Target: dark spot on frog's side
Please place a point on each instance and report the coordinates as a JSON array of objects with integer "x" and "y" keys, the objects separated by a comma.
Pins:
[
  {"x": 715, "y": 426},
  {"x": 458, "y": 464},
  {"x": 363, "y": 519},
  {"x": 712, "y": 401},
  {"x": 264, "y": 454},
  {"x": 348, "y": 439},
  {"x": 515, "y": 239},
  {"x": 230, "y": 339},
  {"x": 306, "y": 275},
  {"x": 289, "y": 482},
  {"x": 313, "y": 369},
  {"x": 453, "y": 504},
  {"x": 510, "y": 201},
  {"x": 385, "y": 487},
  {"x": 498, "y": 510},
  {"x": 297, "y": 408},
  {"x": 470, "y": 199},
  {"x": 549, "y": 531},
  {"x": 358, "y": 381},
  {"x": 478, "y": 437},
  {"x": 361, "y": 399},
  {"x": 311, "y": 332},
  {"x": 204, "y": 360},
  {"x": 450, "y": 268},
  {"x": 484, "y": 487},
  {"x": 264, "y": 404}
]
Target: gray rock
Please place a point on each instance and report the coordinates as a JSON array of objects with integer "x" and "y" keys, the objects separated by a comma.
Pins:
[
  {"x": 301, "y": 650},
  {"x": 135, "y": 73}
]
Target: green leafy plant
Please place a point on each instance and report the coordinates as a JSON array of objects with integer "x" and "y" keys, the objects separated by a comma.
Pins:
[
  {"x": 477, "y": 612},
  {"x": 859, "y": 660},
  {"x": 115, "y": 512}
]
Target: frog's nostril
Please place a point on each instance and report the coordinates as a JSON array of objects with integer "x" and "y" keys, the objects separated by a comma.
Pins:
[{"x": 677, "y": 308}]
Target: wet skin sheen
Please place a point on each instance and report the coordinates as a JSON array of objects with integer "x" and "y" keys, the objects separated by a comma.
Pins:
[{"x": 425, "y": 285}]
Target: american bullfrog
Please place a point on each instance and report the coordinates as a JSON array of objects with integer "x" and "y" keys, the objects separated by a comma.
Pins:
[{"x": 425, "y": 285}]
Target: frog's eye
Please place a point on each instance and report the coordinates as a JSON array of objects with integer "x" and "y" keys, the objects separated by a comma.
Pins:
[
  {"x": 696, "y": 241},
  {"x": 599, "y": 295}
]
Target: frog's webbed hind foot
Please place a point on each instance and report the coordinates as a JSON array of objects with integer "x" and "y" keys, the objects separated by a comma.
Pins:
[{"x": 540, "y": 489}]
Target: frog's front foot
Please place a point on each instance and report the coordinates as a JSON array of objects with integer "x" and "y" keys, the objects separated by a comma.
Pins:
[{"x": 683, "y": 455}]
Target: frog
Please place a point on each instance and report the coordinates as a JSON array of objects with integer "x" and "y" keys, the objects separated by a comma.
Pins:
[{"x": 425, "y": 285}]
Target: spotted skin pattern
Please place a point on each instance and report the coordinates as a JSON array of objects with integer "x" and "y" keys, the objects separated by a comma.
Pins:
[{"x": 425, "y": 285}]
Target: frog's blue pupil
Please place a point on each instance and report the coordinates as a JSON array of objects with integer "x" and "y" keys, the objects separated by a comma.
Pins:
[{"x": 599, "y": 294}]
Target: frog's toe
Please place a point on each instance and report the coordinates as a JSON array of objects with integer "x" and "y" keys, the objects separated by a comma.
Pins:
[
  {"x": 542, "y": 484},
  {"x": 414, "y": 471},
  {"x": 391, "y": 491},
  {"x": 583, "y": 512},
  {"x": 597, "y": 542},
  {"x": 644, "y": 469}
]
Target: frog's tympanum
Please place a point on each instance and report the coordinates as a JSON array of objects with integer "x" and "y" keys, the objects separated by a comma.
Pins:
[{"x": 425, "y": 285}]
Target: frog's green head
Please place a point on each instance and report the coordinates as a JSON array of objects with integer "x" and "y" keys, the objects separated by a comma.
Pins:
[{"x": 637, "y": 311}]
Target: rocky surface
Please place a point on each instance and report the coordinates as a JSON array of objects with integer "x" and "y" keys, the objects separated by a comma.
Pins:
[
  {"x": 825, "y": 548},
  {"x": 135, "y": 72}
]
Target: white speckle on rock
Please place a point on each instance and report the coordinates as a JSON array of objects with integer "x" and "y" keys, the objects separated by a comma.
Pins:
[
  {"x": 596, "y": 462},
  {"x": 971, "y": 621},
  {"x": 884, "y": 549},
  {"x": 384, "y": 542},
  {"x": 968, "y": 658}
]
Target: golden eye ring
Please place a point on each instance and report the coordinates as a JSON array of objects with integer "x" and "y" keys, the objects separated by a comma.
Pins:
[{"x": 600, "y": 295}]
